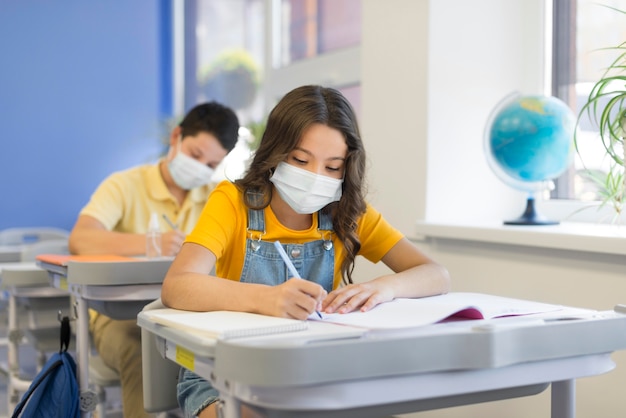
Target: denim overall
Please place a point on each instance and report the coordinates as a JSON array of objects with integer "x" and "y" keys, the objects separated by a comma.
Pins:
[{"x": 314, "y": 261}]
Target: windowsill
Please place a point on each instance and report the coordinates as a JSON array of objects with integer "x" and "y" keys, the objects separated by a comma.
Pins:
[{"x": 572, "y": 236}]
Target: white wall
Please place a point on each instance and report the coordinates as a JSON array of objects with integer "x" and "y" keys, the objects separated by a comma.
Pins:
[
  {"x": 394, "y": 106},
  {"x": 478, "y": 53},
  {"x": 432, "y": 72}
]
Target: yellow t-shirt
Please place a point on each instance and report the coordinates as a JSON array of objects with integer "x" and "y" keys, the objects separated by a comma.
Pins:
[
  {"x": 222, "y": 228},
  {"x": 124, "y": 201}
]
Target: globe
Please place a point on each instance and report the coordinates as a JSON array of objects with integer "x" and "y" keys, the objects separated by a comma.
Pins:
[{"x": 529, "y": 142}]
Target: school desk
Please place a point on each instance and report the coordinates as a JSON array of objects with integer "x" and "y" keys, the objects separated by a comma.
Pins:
[
  {"x": 28, "y": 283},
  {"x": 10, "y": 253},
  {"x": 337, "y": 371},
  {"x": 116, "y": 286}
]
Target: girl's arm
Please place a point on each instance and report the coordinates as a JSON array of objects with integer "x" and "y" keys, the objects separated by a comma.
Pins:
[
  {"x": 415, "y": 275},
  {"x": 188, "y": 285}
]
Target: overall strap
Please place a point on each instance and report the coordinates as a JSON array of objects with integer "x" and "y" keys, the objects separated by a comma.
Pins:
[
  {"x": 256, "y": 220},
  {"x": 256, "y": 217},
  {"x": 324, "y": 221}
]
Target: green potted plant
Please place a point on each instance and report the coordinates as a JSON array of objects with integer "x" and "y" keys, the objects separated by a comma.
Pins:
[
  {"x": 232, "y": 78},
  {"x": 606, "y": 108}
]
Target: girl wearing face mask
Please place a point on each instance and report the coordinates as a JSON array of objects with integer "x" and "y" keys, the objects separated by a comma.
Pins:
[{"x": 304, "y": 188}]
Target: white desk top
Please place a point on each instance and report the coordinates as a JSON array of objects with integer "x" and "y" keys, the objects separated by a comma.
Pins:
[
  {"x": 27, "y": 279},
  {"x": 327, "y": 352},
  {"x": 111, "y": 273},
  {"x": 117, "y": 289},
  {"x": 22, "y": 274},
  {"x": 10, "y": 253},
  {"x": 331, "y": 367},
  {"x": 18, "y": 265}
]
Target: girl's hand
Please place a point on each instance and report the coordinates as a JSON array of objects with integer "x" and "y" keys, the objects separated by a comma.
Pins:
[
  {"x": 362, "y": 296},
  {"x": 296, "y": 298}
]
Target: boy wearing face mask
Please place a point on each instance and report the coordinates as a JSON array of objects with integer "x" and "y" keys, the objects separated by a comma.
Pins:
[{"x": 116, "y": 218}]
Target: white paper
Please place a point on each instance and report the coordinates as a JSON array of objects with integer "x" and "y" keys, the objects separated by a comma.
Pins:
[{"x": 408, "y": 313}]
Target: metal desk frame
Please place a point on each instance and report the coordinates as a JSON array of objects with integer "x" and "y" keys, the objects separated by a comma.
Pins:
[
  {"x": 117, "y": 289},
  {"x": 308, "y": 373},
  {"x": 27, "y": 280}
]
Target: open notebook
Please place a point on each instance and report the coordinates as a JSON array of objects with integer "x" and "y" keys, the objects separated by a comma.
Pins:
[
  {"x": 394, "y": 315},
  {"x": 224, "y": 324},
  {"x": 410, "y": 313}
]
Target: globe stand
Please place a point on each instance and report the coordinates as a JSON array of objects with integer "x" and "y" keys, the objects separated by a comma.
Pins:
[{"x": 530, "y": 216}]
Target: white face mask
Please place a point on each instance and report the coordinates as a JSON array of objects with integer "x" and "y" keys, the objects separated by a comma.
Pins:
[
  {"x": 304, "y": 191},
  {"x": 188, "y": 173}
]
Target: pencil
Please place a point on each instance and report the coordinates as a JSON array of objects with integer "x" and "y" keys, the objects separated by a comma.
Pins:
[
  {"x": 290, "y": 265},
  {"x": 169, "y": 222}
]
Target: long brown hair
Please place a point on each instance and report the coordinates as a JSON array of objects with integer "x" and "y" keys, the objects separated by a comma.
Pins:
[{"x": 296, "y": 111}]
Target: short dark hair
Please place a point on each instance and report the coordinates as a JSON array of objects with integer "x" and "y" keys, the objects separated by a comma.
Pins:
[{"x": 214, "y": 118}]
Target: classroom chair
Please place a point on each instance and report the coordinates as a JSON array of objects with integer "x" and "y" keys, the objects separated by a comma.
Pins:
[
  {"x": 30, "y": 235},
  {"x": 101, "y": 377}
]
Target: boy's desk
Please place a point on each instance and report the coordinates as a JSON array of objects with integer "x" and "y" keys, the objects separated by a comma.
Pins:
[
  {"x": 25, "y": 280},
  {"x": 338, "y": 371},
  {"x": 28, "y": 282},
  {"x": 10, "y": 253},
  {"x": 116, "y": 286}
]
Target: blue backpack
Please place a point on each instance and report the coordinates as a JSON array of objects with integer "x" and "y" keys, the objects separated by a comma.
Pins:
[{"x": 54, "y": 391}]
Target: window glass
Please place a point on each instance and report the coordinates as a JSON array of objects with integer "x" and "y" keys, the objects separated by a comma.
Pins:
[
  {"x": 229, "y": 52},
  {"x": 312, "y": 27},
  {"x": 226, "y": 47},
  {"x": 583, "y": 29}
]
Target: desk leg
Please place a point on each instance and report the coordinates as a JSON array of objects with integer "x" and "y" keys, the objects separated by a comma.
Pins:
[
  {"x": 88, "y": 398},
  {"x": 564, "y": 399},
  {"x": 14, "y": 338}
]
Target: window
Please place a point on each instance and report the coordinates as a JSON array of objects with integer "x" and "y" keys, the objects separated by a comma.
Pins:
[
  {"x": 581, "y": 29},
  {"x": 224, "y": 54},
  {"x": 227, "y": 43},
  {"x": 315, "y": 42},
  {"x": 248, "y": 53},
  {"x": 309, "y": 28}
]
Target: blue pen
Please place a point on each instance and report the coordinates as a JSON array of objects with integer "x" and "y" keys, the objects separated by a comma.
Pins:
[{"x": 289, "y": 264}]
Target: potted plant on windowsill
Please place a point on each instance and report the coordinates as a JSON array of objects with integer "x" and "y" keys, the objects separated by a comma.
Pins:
[
  {"x": 232, "y": 79},
  {"x": 606, "y": 108}
]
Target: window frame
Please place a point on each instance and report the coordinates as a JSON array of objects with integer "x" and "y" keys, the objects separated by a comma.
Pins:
[
  {"x": 334, "y": 69},
  {"x": 561, "y": 22}
]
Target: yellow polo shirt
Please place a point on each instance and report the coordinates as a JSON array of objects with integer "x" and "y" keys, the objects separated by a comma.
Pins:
[
  {"x": 222, "y": 228},
  {"x": 124, "y": 201}
]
